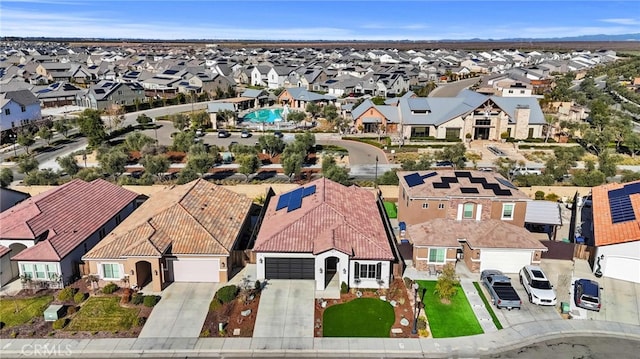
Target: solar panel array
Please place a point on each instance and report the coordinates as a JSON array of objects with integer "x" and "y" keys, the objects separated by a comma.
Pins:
[
  {"x": 414, "y": 179},
  {"x": 620, "y": 203},
  {"x": 293, "y": 200}
]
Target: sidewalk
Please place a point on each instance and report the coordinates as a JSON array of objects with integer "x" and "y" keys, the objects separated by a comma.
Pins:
[{"x": 472, "y": 346}]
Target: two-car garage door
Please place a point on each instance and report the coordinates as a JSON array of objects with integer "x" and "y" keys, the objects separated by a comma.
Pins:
[
  {"x": 289, "y": 268},
  {"x": 194, "y": 270}
]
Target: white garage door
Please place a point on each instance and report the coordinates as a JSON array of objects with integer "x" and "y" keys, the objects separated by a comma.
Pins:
[
  {"x": 507, "y": 261},
  {"x": 195, "y": 270},
  {"x": 622, "y": 268}
]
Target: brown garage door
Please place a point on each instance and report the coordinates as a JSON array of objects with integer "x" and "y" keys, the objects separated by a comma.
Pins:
[{"x": 289, "y": 268}]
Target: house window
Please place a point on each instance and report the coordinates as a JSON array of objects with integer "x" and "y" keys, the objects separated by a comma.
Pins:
[
  {"x": 368, "y": 271},
  {"x": 111, "y": 271},
  {"x": 507, "y": 211},
  {"x": 436, "y": 255},
  {"x": 452, "y": 133},
  {"x": 467, "y": 211},
  {"x": 24, "y": 109},
  {"x": 440, "y": 205},
  {"x": 425, "y": 205},
  {"x": 7, "y": 111},
  {"x": 41, "y": 271}
]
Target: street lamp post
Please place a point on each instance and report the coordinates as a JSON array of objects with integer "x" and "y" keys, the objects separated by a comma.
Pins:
[
  {"x": 15, "y": 141},
  {"x": 376, "y": 180}
]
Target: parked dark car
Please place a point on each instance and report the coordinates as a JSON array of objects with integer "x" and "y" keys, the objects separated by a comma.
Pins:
[
  {"x": 586, "y": 294},
  {"x": 444, "y": 164},
  {"x": 245, "y": 134},
  {"x": 278, "y": 134},
  {"x": 224, "y": 134}
]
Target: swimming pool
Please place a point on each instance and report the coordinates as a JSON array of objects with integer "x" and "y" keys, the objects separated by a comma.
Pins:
[{"x": 264, "y": 116}]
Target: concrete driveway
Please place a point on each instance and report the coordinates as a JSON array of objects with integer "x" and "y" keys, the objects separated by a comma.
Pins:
[
  {"x": 286, "y": 310},
  {"x": 181, "y": 312}
]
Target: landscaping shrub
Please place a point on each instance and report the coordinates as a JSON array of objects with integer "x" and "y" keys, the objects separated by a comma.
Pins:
[
  {"x": 137, "y": 299},
  {"x": 126, "y": 296},
  {"x": 79, "y": 297},
  {"x": 227, "y": 293},
  {"x": 258, "y": 285},
  {"x": 408, "y": 282},
  {"x": 539, "y": 195},
  {"x": 214, "y": 305},
  {"x": 109, "y": 288},
  {"x": 66, "y": 294},
  {"x": 60, "y": 323},
  {"x": 71, "y": 310},
  {"x": 422, "y": 323},
  {"x": 141, "y": 321},
  {"x": 206, "y": 333},
  {"x": 344, "y": 288},
  {"x": 552, "y": 197},
  {"x": 150, "y": 300}
]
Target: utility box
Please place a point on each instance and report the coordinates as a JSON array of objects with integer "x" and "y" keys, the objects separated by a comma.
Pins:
[
  {"x": 565, "y": 307},
  {"x": 54, "y": 312}
]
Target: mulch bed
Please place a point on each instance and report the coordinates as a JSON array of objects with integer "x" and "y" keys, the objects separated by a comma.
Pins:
[
  {"x": 397, "y": 291},
  {"x": 39, "y": 328},
  {"x": 229, "y": 314}
]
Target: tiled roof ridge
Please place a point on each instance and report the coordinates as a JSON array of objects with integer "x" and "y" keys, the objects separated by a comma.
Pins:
[
  {"x": 147, "y": 239},
  {"x": 366, "y": 236},
  {"x": 189, "y": 214}
]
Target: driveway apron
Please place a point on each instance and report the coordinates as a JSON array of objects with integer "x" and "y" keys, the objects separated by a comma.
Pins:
[
  {"x": 286, "y": 310},
  {"x": 181, "y": 312}
]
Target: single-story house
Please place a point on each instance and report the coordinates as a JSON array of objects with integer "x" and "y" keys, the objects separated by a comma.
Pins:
[
  {"x": 616, "y": 230},
  {"x": 329, "y": 233},
  {"x": 186, "y": 233},
  {"x": 47, "y": 234}
]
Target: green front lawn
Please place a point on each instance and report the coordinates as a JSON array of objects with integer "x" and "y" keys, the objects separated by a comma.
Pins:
[
  {"x": 449, "y": 320},
  {"x": 27, "y": 309},
  {"x": 103, "y": 314},
  {"x": 362, "y": 317},
  {"x": 390, "y": 207}
]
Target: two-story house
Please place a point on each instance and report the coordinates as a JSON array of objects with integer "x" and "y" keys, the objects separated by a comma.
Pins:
[
  {"x": 473, "y": 216},
  {"x": 107, "y": 94},
  {"x": 19, "y": 108}
]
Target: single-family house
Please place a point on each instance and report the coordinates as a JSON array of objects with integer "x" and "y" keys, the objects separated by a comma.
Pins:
[
  {"x": 48, "y": 234},
  {"x": 185, "y": 233},
  {"x": 481, "y": 211},
  {"x": 57, "y": 94},
  {"x": 108, "y": 94},
  {"x": 298, "y": 98},
  {"x": 371, "y": 118},
  {"x": 18, "y": 108},
  {"x": 329, "y": 233}
]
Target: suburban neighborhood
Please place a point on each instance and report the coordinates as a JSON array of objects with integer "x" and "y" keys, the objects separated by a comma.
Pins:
[{"x": 202, "y": 199}]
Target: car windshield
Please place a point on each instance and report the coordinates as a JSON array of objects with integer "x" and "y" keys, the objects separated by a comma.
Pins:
[{"x": 540, "y": 284}]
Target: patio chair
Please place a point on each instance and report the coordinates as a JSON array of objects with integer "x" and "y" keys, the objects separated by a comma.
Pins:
[{"x": 432, "y": 269}]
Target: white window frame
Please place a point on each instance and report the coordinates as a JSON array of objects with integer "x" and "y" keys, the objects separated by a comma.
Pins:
[
  {"x": 437, "y": 250},
  {"x": 425, "y": 205},
  {"x": 110, "y": 264},
  {"x": 513, "y": 208},
  {"x": 440, "y": 205},
  {"x": 473, "y": 207}
]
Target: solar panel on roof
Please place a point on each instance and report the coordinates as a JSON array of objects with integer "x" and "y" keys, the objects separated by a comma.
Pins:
[
  {"x": 283, "y": 201},
  {"x": 463, "y": 174},
  {"x": 502, "y": 192},
  {"x": 506, "y": 183},
  {"x": 309, "y": 191},
  {"x": 413, "y": 179},
  {"x": 295, "y": 199},
  {"x": 440, "y": 185},
  {"x": 469, "y": 190},
  {"x": 449, "y": 179},
  {"x": 430, "y": 174},
  {"x": 621, "y": 209},
  {"x": 633, "y": 188},
  {"x": 477, "y": 180}
]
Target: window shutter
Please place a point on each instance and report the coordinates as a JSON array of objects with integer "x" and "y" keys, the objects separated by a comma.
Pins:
[
  {"x": 460, "y": 210},
  {"x": 379, "y": 271},
  {"x": 478, "y": 212},
  {"x": 356, "y": 266}
]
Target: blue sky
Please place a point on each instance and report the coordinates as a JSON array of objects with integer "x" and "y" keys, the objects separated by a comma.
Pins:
[{"x": 317, "y": 20}]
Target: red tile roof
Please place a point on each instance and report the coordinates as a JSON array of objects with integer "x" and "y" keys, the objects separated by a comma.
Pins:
[
  {"x": 334, "y": 217},
  {"x": 66, "y": 216},
  {"x": 491, "y": 233},
  {"x": 195, "y": 218},
  {"x": 604, "y": 231},
  {"x": 4, "y": 250}
]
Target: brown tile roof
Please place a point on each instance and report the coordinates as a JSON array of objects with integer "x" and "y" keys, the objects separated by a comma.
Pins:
[
  {"x": 482, "y": 183},
  {"x": 335, "y": 216},
  {"x": 65, "y": 215},
  {"x": 492, "y": 233},
  {"x": 195, "y": 218},
  {"x": 604, "y": 230}
]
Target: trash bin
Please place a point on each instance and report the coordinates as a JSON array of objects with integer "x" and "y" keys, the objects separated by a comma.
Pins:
[{"x": 564, "y": 307}]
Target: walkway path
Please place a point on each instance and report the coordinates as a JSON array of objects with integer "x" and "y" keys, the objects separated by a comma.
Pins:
[{"x": 480, "y": 310}]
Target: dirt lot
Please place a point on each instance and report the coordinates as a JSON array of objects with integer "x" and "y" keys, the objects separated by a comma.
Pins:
[{"x": 397, "y": 292}]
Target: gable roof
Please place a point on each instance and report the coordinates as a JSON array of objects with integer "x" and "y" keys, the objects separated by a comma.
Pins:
[
  {"x": 197, "y": 218},
  {"x": 611, "y": 201},
  {"x": 333, "y": 217},
  {"x": 22, "y": 97},
  {"x": 64, "y": 217},
  {"x": 300, "y": 93}
]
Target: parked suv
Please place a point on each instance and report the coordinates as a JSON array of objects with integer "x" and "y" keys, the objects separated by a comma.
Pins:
[
  {"x": 586, "y": 294},
  {"x": 520, "y": 171},
  {"x": 537, "y": 286}
]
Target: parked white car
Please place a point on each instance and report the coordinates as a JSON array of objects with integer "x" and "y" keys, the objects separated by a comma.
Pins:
[
  {"x": 520, "y": 171},
  {"x": 537, "y": 286}
]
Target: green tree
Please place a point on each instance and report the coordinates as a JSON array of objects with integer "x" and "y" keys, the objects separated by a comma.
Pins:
[
  {"x": 187, "y": 175},
  {"x": 272, "y": 144},
  {"x": 228, "y": 116},
  {"x": 144, "y": 120},
  {"x": 179, "y": 121},
  {"x": 629, "y": 176},
  {"x": 296, "y": 116},
  {"x": 155, "y": 164},
  {"x": 199, "y": 163},
  {"x": 45, "y": 133},
  {"x": 607, "y": 164},
  {"x": 62, "y": 126},
  {"x": 455, "y": 154},
  {"x": 334, "y": 172},
  {"x": 68, "y": 164},
  {"x": 389, "y": 178},
  {"x": 378, "y": 101},
  {"x": 27, "y": 164},
  {"x": 6, "y": 177},
  {"x": 89, "y": 174},
  {"x": 292, "y": 164},
  {"x": 447, "y": 284},
  {"x": 249, "y": 163},
  {"x": 92, "y": 126},
  {"x": 313, "y": 109},
  {"x": 632, "y": 143},
  {"x": 306, "y": 140},
  {"x": 330, "y": 113},
  {"x": 44, "y": 177},
  {"x": 25, "y": 139},
  {"x": 588, "y": 178},
  {"x": 504, "y": 166},
  {"x": 135, "y": 141},
  {"x": 423, "y": 163},
  {"x": 550, "y": 121},
  {"x": 113, "y": 161},
  {"x": 200, "y": 119},
  {"x": 183, "y": 140}
]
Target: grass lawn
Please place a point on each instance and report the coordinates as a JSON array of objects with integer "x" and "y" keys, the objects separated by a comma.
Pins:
[
  {"x": 362, "y": 317},
  {"x": 488, "y": 305},
  {"x": 449, "y": 320},
  {"x": 27, "y": 309},
  {"x": 103, "y": 314},
  {"x": 390, "y": 207}
]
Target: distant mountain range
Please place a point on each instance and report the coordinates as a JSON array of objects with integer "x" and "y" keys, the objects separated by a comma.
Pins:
[{"x": 599, "y": 38}]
